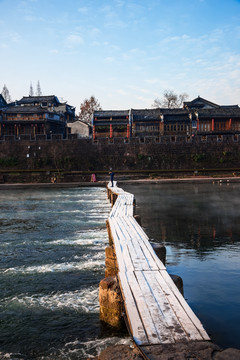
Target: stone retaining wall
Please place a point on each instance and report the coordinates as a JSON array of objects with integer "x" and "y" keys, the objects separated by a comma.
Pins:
[{"x": 84, "y": 155}]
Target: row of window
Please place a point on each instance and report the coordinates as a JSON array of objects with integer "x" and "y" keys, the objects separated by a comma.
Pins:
[
  {"x": 203, "y": 127},
  {"x": 25, "y": 130}
]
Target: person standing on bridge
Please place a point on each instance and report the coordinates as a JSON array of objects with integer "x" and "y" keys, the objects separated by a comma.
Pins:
[{"x": 111, "y": 176}]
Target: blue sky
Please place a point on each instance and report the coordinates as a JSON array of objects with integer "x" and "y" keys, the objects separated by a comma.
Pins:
[{"x": 126, "y": 53}]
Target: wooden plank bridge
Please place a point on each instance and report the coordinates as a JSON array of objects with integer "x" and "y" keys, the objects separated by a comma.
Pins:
[{"x": 157, "y": 312}]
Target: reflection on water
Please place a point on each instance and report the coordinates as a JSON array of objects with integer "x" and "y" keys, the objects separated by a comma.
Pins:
[{"x": 200, "y": 226}]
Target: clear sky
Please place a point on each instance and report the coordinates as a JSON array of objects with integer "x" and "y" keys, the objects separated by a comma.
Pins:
[{"x": 126, "y": 53}]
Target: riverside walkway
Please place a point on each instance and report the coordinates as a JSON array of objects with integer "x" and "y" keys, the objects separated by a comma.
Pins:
[{"x": 156, "y": 311}]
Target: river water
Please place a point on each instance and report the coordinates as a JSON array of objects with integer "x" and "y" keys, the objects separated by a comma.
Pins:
[
  {"x": 200, "y": 227},
  {"x": 52, "y": 258}
]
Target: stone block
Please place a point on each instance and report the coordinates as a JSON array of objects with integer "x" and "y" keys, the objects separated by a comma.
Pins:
[
  {"x": 160, "y": 251},
  {"x": 111, "y": 303}
]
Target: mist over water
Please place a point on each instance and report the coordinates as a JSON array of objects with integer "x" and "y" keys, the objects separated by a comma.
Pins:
[
  {"x": 200, "y": 226},
  {"x": 52, "y": 256}
]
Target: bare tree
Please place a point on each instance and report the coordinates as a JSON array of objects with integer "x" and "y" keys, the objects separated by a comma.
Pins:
[
  {"x": 39, "y": 91},
  {"x": 6, "y": 94},
  {"x": 87, "y": 108},
  {"x": 170, "y": 100},
  {"x": 31, "y": 92}
]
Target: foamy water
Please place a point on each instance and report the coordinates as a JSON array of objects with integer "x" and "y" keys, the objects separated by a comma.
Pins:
[
  {"x": 52, "y": 254},
  {"x": 85, "y": 300}
]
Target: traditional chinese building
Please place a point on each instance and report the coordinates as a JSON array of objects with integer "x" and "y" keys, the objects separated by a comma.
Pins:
[
  {"x": 209, "y": 117},
  {"x": 158, "y": 122},
  {"x": 31, "y": 121},
  {"x": 111, "y": 124},
  {"x": 35, "y": 115},
  {"x": 50, "y": 103},
  {"x": 199, "y": 116}
]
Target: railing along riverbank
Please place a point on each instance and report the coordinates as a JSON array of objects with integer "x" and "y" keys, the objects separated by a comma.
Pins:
[{"x": 156, "y": 311}]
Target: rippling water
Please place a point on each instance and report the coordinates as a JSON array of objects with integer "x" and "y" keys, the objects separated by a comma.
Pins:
[
  {"x": 200, "y": 227},
  {"x": 52, "y": 257}
]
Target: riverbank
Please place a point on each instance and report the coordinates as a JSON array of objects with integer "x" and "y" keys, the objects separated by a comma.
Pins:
[
  {"x": 193, "y": 351},
  {"x": 102, "y": 183}
]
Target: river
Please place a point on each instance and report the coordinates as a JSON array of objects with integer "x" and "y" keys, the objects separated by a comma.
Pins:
[
  {"x": 200, "y": 226},
  {"x": 52, "y": 256}
]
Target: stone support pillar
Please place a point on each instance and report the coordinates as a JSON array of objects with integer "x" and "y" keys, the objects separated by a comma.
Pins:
[
  {"x": 138, "y": 219},
  {"x": 111, "y": 303},
  {"x": 110, "y": 239},
  {"x": 160, "y": 251},
  {"x": 178, "y": 281},
  {"x": 110, "y": 262}
]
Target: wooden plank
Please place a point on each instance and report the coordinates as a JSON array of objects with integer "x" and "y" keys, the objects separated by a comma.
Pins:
[
  {"x": 147, "y": 243},
  {"x": 147, "y": 321},
  {"x": 163, "y": 298},
  {"x": 117, "y": 246},
  {"x": 185, "y": 305},
  {"x": 190, "y": 329},
  {"x": 134, "y": 319},
  {"x": 156, "y": 312},
  {"x": 138, "y": 257},
  {"x": 140, "y": 244},
  {"x": 137, "y": 261},
  {"x": 122, "y": 248}
]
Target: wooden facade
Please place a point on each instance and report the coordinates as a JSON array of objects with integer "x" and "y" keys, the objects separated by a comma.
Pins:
[
  {"x": 31, "y": 121},
  {"x": 50, "y": 103},
  {"x": 111, "y": 124},
  {"x": 35, "y": 115},
  {"x": 199, "y": 116}
]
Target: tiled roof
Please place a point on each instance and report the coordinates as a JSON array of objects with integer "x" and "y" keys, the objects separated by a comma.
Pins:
[
  {"x": 24, "y": 110},
  {"x": 220, "y": 112},
  {"x": 110, "y": 113},
  {"x": 3, "y": 103},
  {"x": 155, "y": 114},
  {"x": 199, "y": 102},
  {"x": 38, "y": 99}
]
